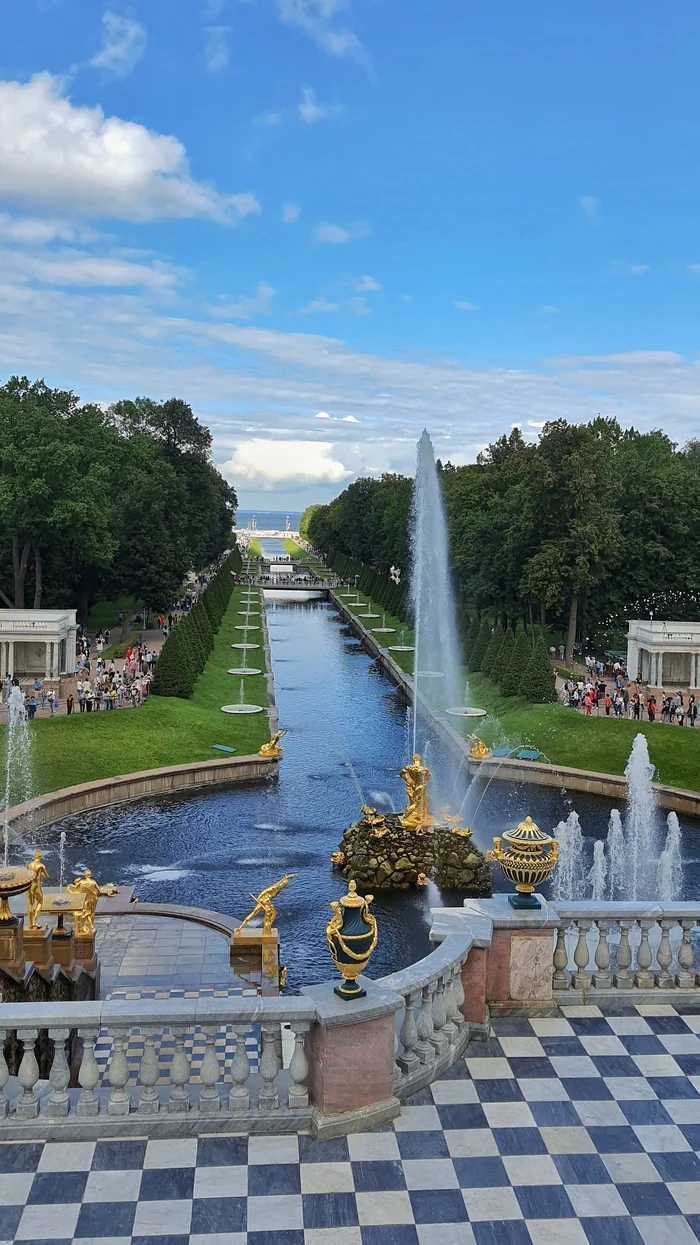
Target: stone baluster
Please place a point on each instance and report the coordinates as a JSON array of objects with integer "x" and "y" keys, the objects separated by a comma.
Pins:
[
  {"x": 58, "y": 1102},
  {"x": 425, "y": 1049},
  {"x": 560, "y": 959},
  {"x": 602, "y": 977},
  {"x": 28, "y": 1075},
  {"x": 408, "y": 1060},
  {"x": 179, "y": 1097},
  {"x": 209, "y": 1074},
  {"x": 623, "y": 977},
  {"x": 685, "y": 977},
  {"x": 581, "y": 956},
  {"x": 449, "y": 1028},
  {"x": 149, "y": 1072},
  {"x": 239, "y": 1098},
  {"x": 458, "y": 991},
  {"x": 4, "y": 1075},
  {"x": 664, "y": 957},
  {"x": 644, "y": 976},
  {"x": 439, "y": 1039},
  {"x": 299, "y": 1066},
  {"x": 118, "y": 1075},
  {"x": 89, "y": 1075},
  {"x": 268, "y": 1099}
]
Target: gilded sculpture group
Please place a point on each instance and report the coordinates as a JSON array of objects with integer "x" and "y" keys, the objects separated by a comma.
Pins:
[{"x": 84, "y": 885}]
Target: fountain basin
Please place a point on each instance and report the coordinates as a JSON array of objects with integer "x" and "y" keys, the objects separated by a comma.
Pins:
[
  {"x": 465, "y": 711},
  {"x": 242, "y": 709},
  {"x": 244, "y": 670},
  {"x": 243, "y": 645}
]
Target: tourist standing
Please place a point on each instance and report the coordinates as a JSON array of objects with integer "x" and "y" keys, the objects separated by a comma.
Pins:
[
  {"x": 51, "y": 697},
  {"x": 69, "y": 704},
  {"x": 692, "y": 711}
]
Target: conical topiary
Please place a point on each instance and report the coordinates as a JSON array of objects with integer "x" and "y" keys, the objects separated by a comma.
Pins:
[
  {"x": 492, "y": 651},
  {"x": 538, "y": 683},
  {"x": 505, "y": 653},
  {"x": 471, "y": 635},
  {"x": 483, "y": 640},
  {"x": 519, "y": 660}
]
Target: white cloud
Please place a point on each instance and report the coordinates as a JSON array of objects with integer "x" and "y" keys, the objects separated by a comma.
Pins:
[
  {"x": 322, "y": 415},
  {"x": 242, "y": 307},
  {"x": 29, "y": 230},
  {"x": 290, "y": 213},
  {"x": 338, "y": 234},
  {"x": 318, "y": 305},
  {"x": 216, "y": 48},
  {"x": 269, "y": 119},
  {"x": 349, "y": 419},
  {"x": 267, "y": 464},
  {"x": 312, "y": 110},
  {"x": 78, "y": 268},
  {"x": 367, "y": 284},
  {"x": 461, "y": 305},
  {"x": 73, "y": 159},
  {"x": 123, "y": 44},
  {"x": 622, "y": 269},
  {"x": 317, "y": 20},
  {"x": 533, "y": 423},
  {"x": 590, "y": 206}
]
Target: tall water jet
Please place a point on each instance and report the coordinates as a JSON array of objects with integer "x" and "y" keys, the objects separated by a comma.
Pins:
[
  {"x": 615, "y": 850},
  {"x": 597, "y": 874},
  {"x": 670, "y": 863},
  {"x": 437, "y": 660},
  {"x": 569, "y": 876},
  {"x": 18, "y": 760},
  {"x": 640, "y": 875}
]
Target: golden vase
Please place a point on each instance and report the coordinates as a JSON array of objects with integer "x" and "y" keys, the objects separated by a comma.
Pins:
[{"x": 524, "y": 861}]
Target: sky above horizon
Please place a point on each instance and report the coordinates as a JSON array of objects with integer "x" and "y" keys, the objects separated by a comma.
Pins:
[{"x": 329, "y": 223}]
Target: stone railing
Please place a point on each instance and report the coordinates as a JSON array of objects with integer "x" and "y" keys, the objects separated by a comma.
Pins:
[{"x": 639, "y": 949}]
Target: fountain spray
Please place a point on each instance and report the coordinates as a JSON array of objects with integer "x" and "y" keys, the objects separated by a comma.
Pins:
[
  {"x": 18, "y": 760},
  {"x": 597, "y": 875},
  {"x": 670, "y": 863},
  {"x": 639, "y": 823},
  {"x": 615, "y": 846}
]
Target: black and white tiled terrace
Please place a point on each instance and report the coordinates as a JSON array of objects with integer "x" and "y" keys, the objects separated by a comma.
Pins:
[{"x": 579, "y": 1130}]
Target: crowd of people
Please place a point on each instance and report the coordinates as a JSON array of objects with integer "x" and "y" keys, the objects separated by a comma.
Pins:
[{"x": 620, "y": 698}]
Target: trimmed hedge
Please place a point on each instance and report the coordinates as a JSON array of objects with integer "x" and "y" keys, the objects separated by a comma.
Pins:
[
  {"x": 505, "y": 653},
  {"x": 185, "y": 652},
  {"x": 494, "y": 648},
  {"x": 519, "y": 661},
  {"x": 538, "y": 684},
  {"x": 393, "y": 597},
  {"x": 483, "y": 639}
]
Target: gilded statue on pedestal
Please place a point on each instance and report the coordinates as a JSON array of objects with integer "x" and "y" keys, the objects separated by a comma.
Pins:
[
  {"x": 35, "y": 894},
  {"x": 264, "y": 904},
  {"x": 87, "y": 886},
  {"x": 416, "y": 815},
  {"x": 479, "y": 750},
  {"x": 272, "y": 747}
]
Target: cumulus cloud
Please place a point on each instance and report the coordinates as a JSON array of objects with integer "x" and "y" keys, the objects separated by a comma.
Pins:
[
  {"x": 312, "y": 110},
  {"x": 30, "y": 230},
  {"x": 461, "y": 305},
  {"x": 318, "y": 305},
  {"x": 74, "y": 159},
  {"x": 367, "y": 284},
  {"x": 290, "y": 213},
  {"x": 123, "y": 44},
  {"x": 70, "y": 267},
  {"x": 339, "y": 234},
  {"x": 267, "y": 464},
  {"x": 242, "y": 307},
  {"x": 318, "y": 19},
  {"x": 590, "y": 206},
  {"x": 216, "y": 48}
]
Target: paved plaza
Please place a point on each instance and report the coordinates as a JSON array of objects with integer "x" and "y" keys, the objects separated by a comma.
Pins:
[{"x": 567, "y": 1131}]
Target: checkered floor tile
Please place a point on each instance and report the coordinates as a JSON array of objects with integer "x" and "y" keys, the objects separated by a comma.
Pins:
[{"x": 579, "y": 1130}]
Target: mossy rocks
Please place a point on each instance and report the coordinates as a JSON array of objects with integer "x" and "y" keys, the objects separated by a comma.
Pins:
[{"x": 393, "y": 860}]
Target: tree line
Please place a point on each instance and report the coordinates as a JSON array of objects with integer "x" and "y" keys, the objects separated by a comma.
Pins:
[
  {"x": 589, "y": 526},
  {"x": 95, "y": 502}
]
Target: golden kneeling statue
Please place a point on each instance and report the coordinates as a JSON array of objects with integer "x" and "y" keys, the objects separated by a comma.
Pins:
[
  {"x": 264, "y": 904},
  {"x": 370, "y": 817},
  {"x": 87, "y": 886},
  {"x": 35, "y": 894},
  {"x": 452, "y": 820},
  {"x": 416, "y": 815},
  {"x": 479, "y": 750},
  {"x": 272, "y": 747}
]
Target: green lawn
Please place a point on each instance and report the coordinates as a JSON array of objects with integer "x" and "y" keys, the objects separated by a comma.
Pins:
[
  {"x": 254, "y": 548},
  {"x": 293, "y": 549},
  {"x": 564, "y": 736},
  {"x": 165, "y": 731}
]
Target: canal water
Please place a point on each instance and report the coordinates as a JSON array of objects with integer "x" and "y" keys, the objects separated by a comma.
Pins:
[{"x": 348, "y": 736}]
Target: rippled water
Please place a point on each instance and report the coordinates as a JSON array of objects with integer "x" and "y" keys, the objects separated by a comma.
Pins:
[{"x": 348, "y": 737}]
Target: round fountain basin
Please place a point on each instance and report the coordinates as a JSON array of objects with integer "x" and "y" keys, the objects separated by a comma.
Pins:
[
  {"x": 368, "y": 615},
  {"x": 249, "y": 613},
  {"x": 430, "y": 674},
  {"x": 383, "y": 630},
  {"x": 247, "y": 627},
  {"x": 242, "y": 709},
  {"x": 245, "y": 646},
  {"x": 401, "y": 648},
  {"x": 465, "y": 711},
  {"x": 244, "y": 670}
]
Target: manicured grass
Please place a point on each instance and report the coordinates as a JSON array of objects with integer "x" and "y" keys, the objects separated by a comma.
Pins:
[
  {"x": 164, "y": 731},
  {"x": 255, "y": 548},
  {"x": 293, "y": 549},
  {"x": 105, "y": 613}
]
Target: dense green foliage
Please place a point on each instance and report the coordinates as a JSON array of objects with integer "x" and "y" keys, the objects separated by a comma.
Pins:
[
  {"x": 305, "y": 520},
  {"x": 391, "y": 596},
  {"x": 519, "y": 659},
  {"x": 94, "y": 503},
  {"x": 591, "y": 525},
  {"x": 537, "y": 683},
  {"x": 492, "y": 651},
  {"x": 187, "y": 648},
  {"x": 502, "y": 659}
]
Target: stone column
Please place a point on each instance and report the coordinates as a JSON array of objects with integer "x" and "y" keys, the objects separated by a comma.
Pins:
[
  {"x": 47, "y": 663},
  {"x": 55, "y": 647},
  {"x": 3, "y": 659},
  {"x": 10, "y": 657}
]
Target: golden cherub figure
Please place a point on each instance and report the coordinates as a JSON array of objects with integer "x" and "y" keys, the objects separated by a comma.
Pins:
[
  {"x": 416, "y": 815},
  {"x": 479, "y": 750},
  {"x": 370, "y": 817},
  {"x": 35, "y": 894},
  {"x": 452, "y": 820},
  {"x": 264, "y": 904},
  {"x": 272, "y": 747},
  {"x": 87, "y": 886}
]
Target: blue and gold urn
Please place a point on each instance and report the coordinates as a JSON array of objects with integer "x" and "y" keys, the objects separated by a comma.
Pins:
[{"x": 351, "y": 935}]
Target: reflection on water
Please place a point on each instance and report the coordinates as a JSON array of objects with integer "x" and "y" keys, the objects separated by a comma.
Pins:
[{"x": 348, "y": 732}]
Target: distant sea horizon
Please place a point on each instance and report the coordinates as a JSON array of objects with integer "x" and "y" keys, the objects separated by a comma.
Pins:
[{"x": 269, "y": 519}]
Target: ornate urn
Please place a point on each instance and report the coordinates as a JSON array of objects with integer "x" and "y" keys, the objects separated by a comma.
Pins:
[
  {"x": 351, "y": 935},
  {"x": 525, "y": 863},
  {"x": 14, "y": 880}
]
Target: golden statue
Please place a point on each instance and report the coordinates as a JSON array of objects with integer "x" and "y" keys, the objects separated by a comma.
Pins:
[
  {"x": 452, "y": 820},
  {"x": 272, "y": 747},
  {"x": 479, "y": 750},
  {"x": 35, "y": 894},
  {"x": 87, "y": 886},
  {"x": 264, "y": 904},
  {"x": 421, "y": 880},
  {"x": 370, "y": 817},
  {"x": 416, "y": 815},
  {"x": 337, "y": 858}
]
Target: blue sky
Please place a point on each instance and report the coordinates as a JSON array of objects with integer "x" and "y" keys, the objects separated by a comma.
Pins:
[{"x": 327, "y": 224}]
